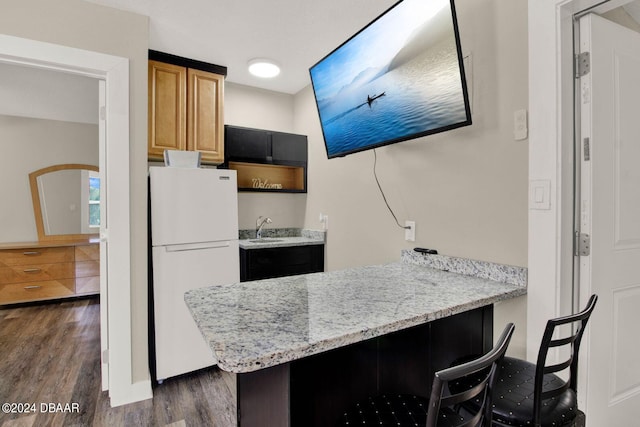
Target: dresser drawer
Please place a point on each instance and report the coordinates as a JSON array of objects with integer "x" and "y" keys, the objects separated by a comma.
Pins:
[
  {"x": 88, "y": 253},
  {"x": 88, "y": 285},
  {"x": 37, "y": 272},
  {"x": 22, "y": 292},
  {"x": 87, "y": 268},
  {"x": 14, "y": 257}
]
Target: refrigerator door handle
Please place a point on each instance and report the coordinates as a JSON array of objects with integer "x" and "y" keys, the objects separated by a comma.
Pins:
[{"x": 197, "y": 246}]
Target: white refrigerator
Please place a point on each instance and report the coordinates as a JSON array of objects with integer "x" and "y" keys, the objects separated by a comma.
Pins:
[{"x": 194, "y": 238}]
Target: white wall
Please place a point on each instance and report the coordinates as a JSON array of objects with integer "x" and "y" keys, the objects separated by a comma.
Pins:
[
  {"x": 466, "y": 189},
  {"x": 27, "y": 145}
]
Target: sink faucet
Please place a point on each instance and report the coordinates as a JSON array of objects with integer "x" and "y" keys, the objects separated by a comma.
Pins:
[{"x": 260, "y": 222}]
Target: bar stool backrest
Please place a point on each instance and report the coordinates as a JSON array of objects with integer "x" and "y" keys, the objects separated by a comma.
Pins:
[
  {"x": 486, "y": 367},
  {"x": 577, "y": 322}
]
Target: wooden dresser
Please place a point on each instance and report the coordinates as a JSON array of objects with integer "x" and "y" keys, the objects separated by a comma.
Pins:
[{"x": 48, "y": 270}]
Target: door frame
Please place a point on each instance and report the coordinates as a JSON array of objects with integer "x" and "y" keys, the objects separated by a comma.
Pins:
[
  {"x": 115, "y": 72},
  {"x": 551, "y": 97},
  {"x": 550, "y": 291}
]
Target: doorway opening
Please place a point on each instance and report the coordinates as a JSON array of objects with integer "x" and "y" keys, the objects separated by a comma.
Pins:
[{"x": 115, "y": 235}]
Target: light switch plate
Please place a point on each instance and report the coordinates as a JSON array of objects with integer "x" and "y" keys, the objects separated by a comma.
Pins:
[{"x": 540, "y": 194}]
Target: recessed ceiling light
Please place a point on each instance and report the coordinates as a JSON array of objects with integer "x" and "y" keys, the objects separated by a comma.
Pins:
[{"x": 265, "y": 68}]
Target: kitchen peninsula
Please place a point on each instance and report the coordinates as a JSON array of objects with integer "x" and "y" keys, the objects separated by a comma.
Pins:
[{"x": 300, "y": 349}]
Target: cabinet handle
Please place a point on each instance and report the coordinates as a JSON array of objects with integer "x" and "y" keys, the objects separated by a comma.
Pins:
[
  {"x": 31, "y": 253},
  {"x": 32, "y": 270},
  {"x": 32, "y": 287}
]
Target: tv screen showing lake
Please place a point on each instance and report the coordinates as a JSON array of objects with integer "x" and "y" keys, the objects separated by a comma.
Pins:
[{"x": 398, "y": 78}]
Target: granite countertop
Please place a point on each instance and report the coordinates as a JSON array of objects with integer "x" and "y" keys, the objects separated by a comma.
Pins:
[
  {"x": 255, "y": 325},
  {"x": 277, "y": 238}
]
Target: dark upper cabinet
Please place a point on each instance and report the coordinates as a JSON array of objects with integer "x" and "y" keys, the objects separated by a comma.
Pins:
[
  {"x": 264, "y": 146},
  {"x": 267, "y": 160},
  {"x": 247, "y": 144},
  {"x": 288, "y": 147}
]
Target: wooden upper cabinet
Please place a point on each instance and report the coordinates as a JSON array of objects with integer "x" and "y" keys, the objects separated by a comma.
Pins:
[
  {"x": 167, "y": 108},
  {"x": 205, "y": 129},
  {"x": 185, "y": 111}
]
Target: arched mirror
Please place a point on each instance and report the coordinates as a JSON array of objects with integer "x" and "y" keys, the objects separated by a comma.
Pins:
[{"x": 66, "y": 201}]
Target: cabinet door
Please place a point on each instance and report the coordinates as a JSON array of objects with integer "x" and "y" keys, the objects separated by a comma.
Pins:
[
  {"x": 205, "y": 129},
  {"x": 266, "y": 263},
  {"x": 289, "y": 147},
  {"x": 245, "y": 144},
  {"x": 167, "y": 108}
]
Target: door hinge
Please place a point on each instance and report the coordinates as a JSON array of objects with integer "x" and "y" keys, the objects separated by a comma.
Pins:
[
  {"x": 583, "y": 64},
  {"x": 105, "y": 356},
  {"x": 587, "y": 149},
  {"x": 103, "y": 113},
  {"x": 582, "y": 244}
]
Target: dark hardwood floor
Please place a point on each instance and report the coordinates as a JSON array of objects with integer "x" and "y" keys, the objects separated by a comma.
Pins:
[{"x": 50, "y": 353}]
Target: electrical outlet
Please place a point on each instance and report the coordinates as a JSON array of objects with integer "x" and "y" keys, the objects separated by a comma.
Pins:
[
  {"x": 520, "y": 125},
  {"x": 410, "y": 233}
]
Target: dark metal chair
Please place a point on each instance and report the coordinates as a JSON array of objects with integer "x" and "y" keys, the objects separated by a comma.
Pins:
[
  {"x": 528, "y": 394},
  {"x": 441, "y": 409}
]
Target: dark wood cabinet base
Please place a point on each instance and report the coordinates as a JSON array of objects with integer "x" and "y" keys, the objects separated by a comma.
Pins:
[
  {"x": 267, "y": 263},
  {"x": 315, "y": 390},
  {"x": 263, "y": 397}
]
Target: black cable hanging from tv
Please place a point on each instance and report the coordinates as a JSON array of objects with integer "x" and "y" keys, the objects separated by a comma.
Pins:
[{"x": 375, "y": 161}]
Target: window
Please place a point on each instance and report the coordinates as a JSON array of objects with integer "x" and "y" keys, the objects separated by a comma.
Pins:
[{"x": 94, "y": 199}]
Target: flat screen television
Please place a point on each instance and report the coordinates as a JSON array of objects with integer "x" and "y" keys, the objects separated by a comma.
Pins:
[{"x": 400, "y": 77}]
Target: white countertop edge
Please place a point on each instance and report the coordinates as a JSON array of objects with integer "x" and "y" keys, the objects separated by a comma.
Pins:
[
  {"x": 279, "y": 242},
  {"x": 278, "y": 358}
]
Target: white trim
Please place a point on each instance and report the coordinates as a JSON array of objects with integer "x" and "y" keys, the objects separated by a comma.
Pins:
[
  {"x": 551, "y": 100},
  {"x": 134, "y": 392},
  {"x": 115, "y": 71},
  {"x": 104, "y": 276}
]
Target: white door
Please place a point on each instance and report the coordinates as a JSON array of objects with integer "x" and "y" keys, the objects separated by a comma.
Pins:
[
  {"x": 193, "y": 205},
  {"x": 609, "y": 383},
  {"x": 180, "y": 347}
]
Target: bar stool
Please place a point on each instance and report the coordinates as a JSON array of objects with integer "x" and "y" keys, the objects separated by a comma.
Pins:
[
  {"x": 528, "y": 394},
  {"x": 441, "y": 408}
]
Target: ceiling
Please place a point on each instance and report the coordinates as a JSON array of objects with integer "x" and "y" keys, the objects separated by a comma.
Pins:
[
  {"x": 294, "y": 33},
  {"x": 633, "y": 9}
]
